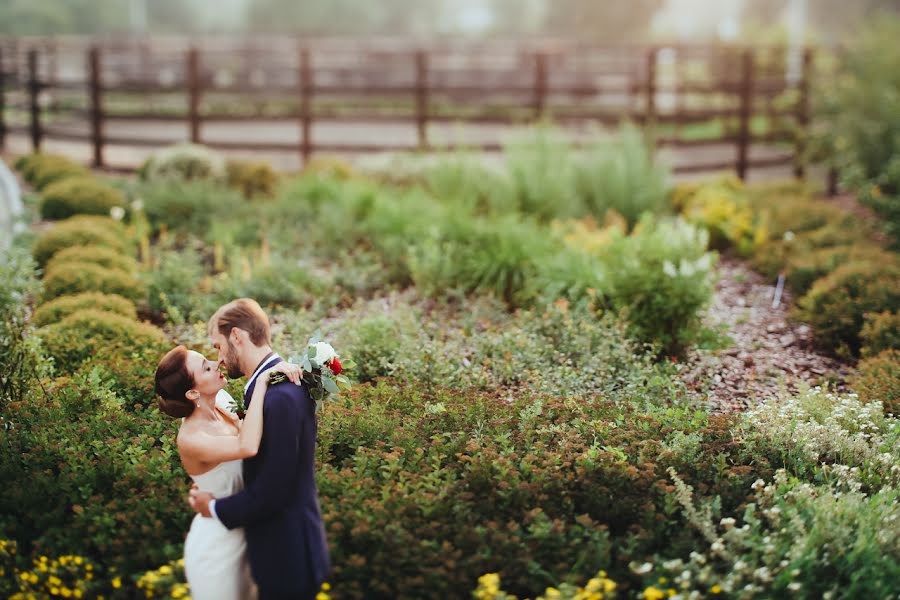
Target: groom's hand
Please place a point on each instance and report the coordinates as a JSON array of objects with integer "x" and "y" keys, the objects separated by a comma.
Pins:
[{"x": 199, "y": 501}]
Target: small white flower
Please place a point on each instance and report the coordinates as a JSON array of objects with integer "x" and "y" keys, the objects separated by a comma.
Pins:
[
  {"x": 789, "y": 235},
  {"x": 644, "y": 568},
  {"x": 727, "y": 522},
  {"x": 669, "y": 269},
  {"x": 117, "y": 213},
  {"x": 137, "y": 205}
]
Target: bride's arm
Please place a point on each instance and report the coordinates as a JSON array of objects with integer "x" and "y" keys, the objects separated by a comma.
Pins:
[{"x": 208, "y": 448}]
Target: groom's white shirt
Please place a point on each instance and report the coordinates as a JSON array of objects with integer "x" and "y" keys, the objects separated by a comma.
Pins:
[{"x": 259, "y": 369}]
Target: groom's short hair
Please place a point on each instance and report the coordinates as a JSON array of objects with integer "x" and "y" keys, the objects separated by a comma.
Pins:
[{"x": 243, "y": 313}]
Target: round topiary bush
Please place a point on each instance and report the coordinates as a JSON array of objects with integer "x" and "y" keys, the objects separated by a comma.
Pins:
[
  {"x": 836, "y": 305},
  {"x": 73, "y": 278},
  {"x": 185, "y": 162},
  {"x": 58, "y": 309},
  {"x": 92, "y": 334},
  {"x": 79, "y": 195},
  {"x": 878, "y": 378},
  {"x": 81, "y": 231},
  {"x": 40, "y": 170},
  {"x": 98, "y": 255},
  {"x": 252, "y": 179}
]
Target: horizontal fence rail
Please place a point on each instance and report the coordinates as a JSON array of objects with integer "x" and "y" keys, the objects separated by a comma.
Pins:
[{"x": 167, "y": 90}]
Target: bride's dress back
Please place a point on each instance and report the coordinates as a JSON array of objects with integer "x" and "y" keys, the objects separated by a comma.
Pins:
[{"x": 215, "y": 558}]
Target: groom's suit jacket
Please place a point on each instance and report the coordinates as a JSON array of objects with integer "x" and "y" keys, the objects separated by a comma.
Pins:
[{"x": 279, "y": 507}]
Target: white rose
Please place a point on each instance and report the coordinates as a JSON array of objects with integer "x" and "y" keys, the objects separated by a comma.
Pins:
[{"x": 324, "y": 352}]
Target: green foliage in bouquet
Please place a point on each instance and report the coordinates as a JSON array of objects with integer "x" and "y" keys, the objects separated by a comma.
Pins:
[
  {"x": 95, "y": 333},
  {"x": 81, "y": 231},
  {"x": 99, "y": 255},
  {"x": 79, "y": 195},
  {"x": 74, "y": 277},
  {"x": 59, "y": 308}
]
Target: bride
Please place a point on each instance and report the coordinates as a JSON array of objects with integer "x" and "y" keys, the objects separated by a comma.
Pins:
[{"x": 212, "y": 441}]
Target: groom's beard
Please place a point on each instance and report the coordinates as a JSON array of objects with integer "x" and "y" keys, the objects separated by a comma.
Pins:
[{"x": 232, "y": 368}]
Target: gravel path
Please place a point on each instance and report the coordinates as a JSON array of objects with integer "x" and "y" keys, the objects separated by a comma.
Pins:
[{"x": 770, "y": 352}]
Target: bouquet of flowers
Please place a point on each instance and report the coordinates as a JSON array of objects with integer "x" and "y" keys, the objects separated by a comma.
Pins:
[{"x": 323, "y": 372}]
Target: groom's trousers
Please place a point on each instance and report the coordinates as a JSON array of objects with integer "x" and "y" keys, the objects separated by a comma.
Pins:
[{"x": 264, "y": 595}]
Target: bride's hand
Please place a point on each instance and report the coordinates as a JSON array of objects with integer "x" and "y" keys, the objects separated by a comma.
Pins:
[{"x": 293, "y": 372}]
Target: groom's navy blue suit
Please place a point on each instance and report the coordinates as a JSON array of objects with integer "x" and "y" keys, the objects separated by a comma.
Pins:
[{"x": 279, "y": 507}]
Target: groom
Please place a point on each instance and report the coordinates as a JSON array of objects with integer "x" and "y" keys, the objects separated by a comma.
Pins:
[{"x": 278, "y": 507}]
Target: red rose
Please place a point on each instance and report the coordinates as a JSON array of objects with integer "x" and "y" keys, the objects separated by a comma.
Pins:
[{"x": 335, "y": 366}]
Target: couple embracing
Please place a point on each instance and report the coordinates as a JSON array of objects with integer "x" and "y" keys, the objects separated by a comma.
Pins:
[{"x": 258, "y": 532}]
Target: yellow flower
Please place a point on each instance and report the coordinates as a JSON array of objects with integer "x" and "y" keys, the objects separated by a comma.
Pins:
[
  {"x": 78, "y": 560},
  {"x": 716, "y": 589},
  {"x": 117, "y": 582},
  {"x": 66, "y": 593},
  {"x": 77, "y": 593},
  {"x": 663, "y": 580},
  {"x": 651, "y": 593},
  {"x": 322, "y": 596},
  {"x": 609, "y": 585},
  {"x": 552, "y": 593},
  {"x": 672, "y": 591},
  {"x": 165, "y": 570}
]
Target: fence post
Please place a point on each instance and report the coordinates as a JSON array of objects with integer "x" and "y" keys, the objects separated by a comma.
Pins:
[
  {"x": 540, "y": 84},
  {"x": 305, "y": 81},
  {"x": 746, "y": 110},
  {"x": 422, "y": 98},
  {"x": 650, "y": 114},
  {"x": 2, "y": 103},
  {"x": 34, "y": 89},
  {"x": 193, "y": 75},
  {"x": 96, "y": 92},
  {"x": 803, "y": 116}
]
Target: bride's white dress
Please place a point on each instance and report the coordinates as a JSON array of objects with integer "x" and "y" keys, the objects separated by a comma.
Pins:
[{"x": 215, "y": 558}]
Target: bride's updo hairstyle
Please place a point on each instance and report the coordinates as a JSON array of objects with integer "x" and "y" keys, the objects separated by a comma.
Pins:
[{"x": 172, "y": 383}]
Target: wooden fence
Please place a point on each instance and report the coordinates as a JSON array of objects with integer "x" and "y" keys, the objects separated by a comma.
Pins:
[{"x": 689, "y": 95}]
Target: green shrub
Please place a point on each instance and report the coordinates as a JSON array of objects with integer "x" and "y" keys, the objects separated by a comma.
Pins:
[
  {"x": 804, "y": 268},
  {"x": 20, "y": 363},
  {"x": 174, "y": 283},
  {"x": 252, "y": 179},
  {"x": 85, "y": 476},
  {"x": 99, "y": 255},
  {"x": 81, "y": 231},
  {"x": 79, "y": 195},
  {"x": 620, "y": 173},
  {"x": 190, "y": 206},
  {"x": 40, "y": 170},
  {"x": 74, "y": 277},
  {"x": 858, "y": 117},
  {"x": 59, "y": 308},
  {"x": 660, "y": 278},
  {"x": 878, "y": 378},
  {"x": 835, "y": 306},
  {"x": 97, "y": 334},
  {"x": 881, "y": 331},
  {"x": 499, "y": 256},
  {"x": 184, "y": 162}
]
